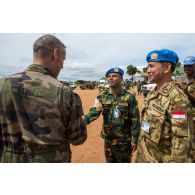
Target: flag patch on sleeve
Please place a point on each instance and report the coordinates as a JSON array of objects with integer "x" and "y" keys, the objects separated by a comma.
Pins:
[{"x": 179, "y": 114}]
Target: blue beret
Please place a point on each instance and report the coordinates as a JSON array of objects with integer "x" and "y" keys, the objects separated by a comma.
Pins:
[
  {"x": 163, "y": 55},
  {"x": 190, "y": 60},
  {"x": 115, "y": 70}
]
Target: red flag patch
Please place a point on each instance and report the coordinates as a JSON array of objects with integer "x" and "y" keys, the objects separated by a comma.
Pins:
[{"x": 179, "y": 114}]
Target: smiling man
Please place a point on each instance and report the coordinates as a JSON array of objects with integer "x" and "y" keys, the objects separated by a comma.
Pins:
[
  {"x": 121, "y": 124},
  {"x": 166, "y": 129}
]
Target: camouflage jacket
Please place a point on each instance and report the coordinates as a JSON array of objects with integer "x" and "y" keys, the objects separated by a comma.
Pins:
[
  {"x": 167, "y": 130},
  {"x": 121, "y": 120},
  {"x": 191, "y": 85},
  {"x": 38, "y": 111},
  {"x": 191, "y": 89}
]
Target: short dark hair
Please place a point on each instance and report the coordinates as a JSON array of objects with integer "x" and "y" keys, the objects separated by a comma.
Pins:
[
  {"x": 46, "y": 43},
  {"x": 172, "y": 66}
]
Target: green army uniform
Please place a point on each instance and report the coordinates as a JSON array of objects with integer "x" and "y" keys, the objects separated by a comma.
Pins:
[
  {"x": 167, "y": 130},
  {"x": 39, "y": 117},
  {"x": 121, "y": 123}
]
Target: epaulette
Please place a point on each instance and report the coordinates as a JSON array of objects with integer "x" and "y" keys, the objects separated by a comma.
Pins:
[
  {"x": 132, "y": 93},
  {"x": 102, "y": 93},
  {"x": 166, "y": 91}
]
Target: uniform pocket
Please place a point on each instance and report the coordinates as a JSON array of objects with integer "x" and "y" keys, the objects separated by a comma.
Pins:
[
  {"x": 124, "y": 111},
  {"x": 152, "y": 128}
]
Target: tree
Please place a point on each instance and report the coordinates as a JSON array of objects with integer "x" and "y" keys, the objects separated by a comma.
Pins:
[
  {"x": 145, "y": 69},
  {"x": 80, "y": 82},
  {"x": 178, "y": 64},
  {"x": 131, "y": 70}
]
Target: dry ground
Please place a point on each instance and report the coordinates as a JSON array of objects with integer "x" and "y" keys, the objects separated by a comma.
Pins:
[{"x": 92, "y": 151}]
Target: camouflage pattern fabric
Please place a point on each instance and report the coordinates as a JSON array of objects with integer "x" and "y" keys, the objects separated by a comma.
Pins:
[
  {"x": 120, "y": 153},
  {"x": 121, "y": 120},
  {"x": 167, "y": 130},
  {"x": 39, "y": 117},
  {"x": 191, "y": 89}
]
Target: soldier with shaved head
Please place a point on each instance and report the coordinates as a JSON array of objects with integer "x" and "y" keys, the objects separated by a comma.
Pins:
[{"x": 39, "y": 116}]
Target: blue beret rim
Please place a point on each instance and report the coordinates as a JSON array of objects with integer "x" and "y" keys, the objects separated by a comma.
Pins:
[
  {"x": 115, "y": 70},
  {"x": 163, "y": 55}
]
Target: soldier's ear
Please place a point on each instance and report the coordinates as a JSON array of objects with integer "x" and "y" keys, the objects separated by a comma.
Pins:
[
  {"x": 55, "y": 53},
  {"x": 167, "y": 67}
]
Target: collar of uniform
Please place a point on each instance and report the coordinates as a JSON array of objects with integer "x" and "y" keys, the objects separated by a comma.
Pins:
[
  {"x": 120, "y": 92},
  {"x": 39, "y": 68},
  {"x": 164, "y": 91}
]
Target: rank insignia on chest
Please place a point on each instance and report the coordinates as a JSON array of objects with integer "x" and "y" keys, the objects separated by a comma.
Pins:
[{"x": 179, "y": 114}]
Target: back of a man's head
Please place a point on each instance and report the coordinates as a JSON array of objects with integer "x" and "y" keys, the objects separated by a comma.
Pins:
[{"x": 44, "y": 44}]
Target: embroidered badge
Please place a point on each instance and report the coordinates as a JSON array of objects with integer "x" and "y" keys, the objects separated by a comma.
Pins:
[
  {"x": 154, "y": 56},
  {"x": 116, "y": 70}
]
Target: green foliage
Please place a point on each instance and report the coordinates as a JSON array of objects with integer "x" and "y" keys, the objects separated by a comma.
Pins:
[
  {"x": 131, "y": 70},
  {"x": 80, "y": 82},
  {"x": 145, "y": 69},
  {"x": 178, "y": 64}
]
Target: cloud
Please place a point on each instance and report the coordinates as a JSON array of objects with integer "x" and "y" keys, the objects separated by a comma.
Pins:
[{"x": 89, "y": 55}]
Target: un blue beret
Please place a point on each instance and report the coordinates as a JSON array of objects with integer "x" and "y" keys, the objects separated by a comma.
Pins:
[
  {"x": 115, "y": 70},
  {"x": 163, "y": 55},
  {"x": 190, "y": 60}
]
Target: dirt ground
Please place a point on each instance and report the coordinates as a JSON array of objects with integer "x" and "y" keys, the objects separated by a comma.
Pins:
[{"x": 92, "y": 151}]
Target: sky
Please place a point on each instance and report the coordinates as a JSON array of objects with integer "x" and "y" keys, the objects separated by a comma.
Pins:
[{"x": 90, "y": 55}]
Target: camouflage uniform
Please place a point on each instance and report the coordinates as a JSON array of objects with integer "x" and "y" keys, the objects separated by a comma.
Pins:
[
  {"x": 166, "y": 129},
  {"x": 191, "y": 88},
  {"x": 39, "y": 117},
  {"x": 121, "y": 123}
]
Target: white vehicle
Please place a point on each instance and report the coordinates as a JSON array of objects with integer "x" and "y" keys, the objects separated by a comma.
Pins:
[
  {"x": 72, "y": 85},
  {"x": 146, "y": 88}
]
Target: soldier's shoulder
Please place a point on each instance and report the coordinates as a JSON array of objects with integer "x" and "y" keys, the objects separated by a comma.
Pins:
[
  {"x": 102, "y": 93},
  {"x": 178, "y": 96},
  {"x": 130, "y": 93},
  {"x": 177, "y": 92}
]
